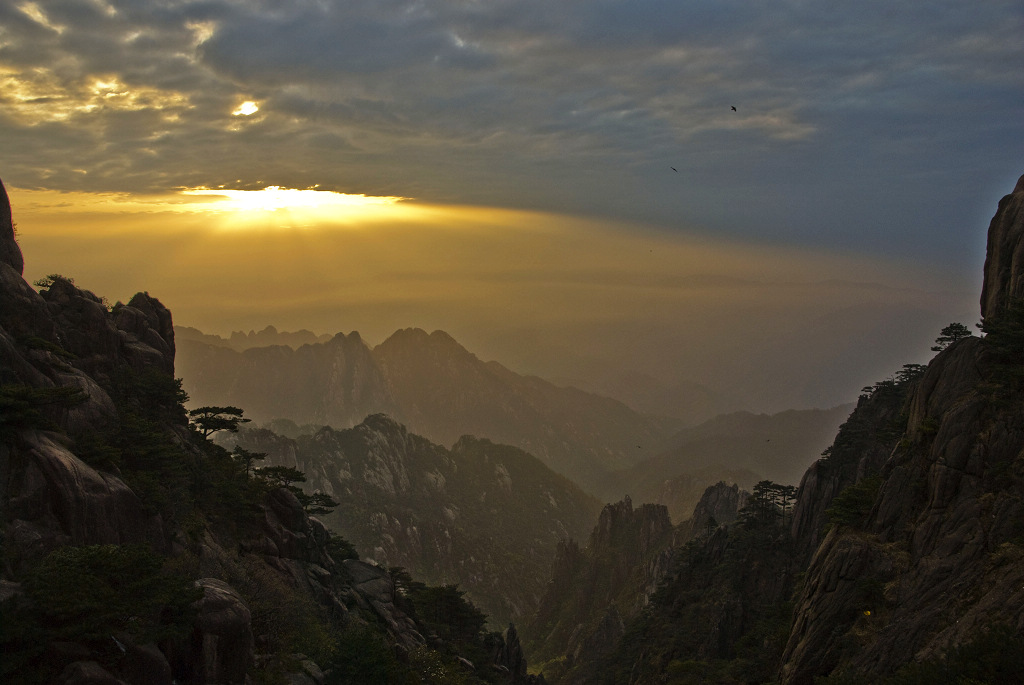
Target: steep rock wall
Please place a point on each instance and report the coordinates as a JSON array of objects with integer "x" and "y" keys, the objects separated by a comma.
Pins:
[{"x": 938, "y": 560}]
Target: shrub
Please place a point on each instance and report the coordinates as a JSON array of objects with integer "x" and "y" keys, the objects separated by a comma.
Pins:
[
  {"x": 88, "y": 594},
  {"x": 851, "y": 506}
]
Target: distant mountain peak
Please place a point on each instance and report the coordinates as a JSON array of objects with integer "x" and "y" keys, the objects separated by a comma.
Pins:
[{"x": 418, "y": 335}]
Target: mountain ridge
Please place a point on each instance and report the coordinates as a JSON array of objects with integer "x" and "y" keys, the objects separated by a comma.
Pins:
[{"x": 433, "y": 385}]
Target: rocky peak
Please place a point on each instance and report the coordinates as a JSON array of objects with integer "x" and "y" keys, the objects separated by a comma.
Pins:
[
  {"x": 620, "y": 525},
  {"x": 1004, "y": 260},
  {"x": 417, "y": 342},
  {"x": 10, "y": 253},
  {"x": 719, "y": 504}
]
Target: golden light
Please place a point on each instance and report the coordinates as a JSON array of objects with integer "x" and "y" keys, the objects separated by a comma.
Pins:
[
  {"x": 245, "y": 109},
  {"x": 277, "y": 207},
  {"x": 35, "y": 13},
  {"x": 272, "y": 208},
  {"x": 275, "y": 198},
  {"x": 38, "y": 95}
]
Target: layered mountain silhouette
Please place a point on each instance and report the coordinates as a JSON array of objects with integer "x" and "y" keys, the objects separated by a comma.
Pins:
[
  {"x": 740, "y": 447},
  {"x": 433, "y": 386}
]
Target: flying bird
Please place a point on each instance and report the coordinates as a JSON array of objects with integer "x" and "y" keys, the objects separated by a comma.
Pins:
[
  {"x": 674, "y": 169},
  {"x": 734, "y": 108}
]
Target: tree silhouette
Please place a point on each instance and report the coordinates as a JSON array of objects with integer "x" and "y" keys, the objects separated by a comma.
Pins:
[
  {"x": 246, "y": 458},
  {"x": 949, "y": 335},
  {"x": 210, "y": 420}
]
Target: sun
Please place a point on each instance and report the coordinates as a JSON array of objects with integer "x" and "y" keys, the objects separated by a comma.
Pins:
[
  {"x": 275, "y": 198},
  {"x": 245, "y": 109},
  {"x": 290, "y": 206}
]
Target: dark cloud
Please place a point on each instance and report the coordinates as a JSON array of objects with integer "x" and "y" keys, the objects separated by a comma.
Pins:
[{"x": 871, "y": 128}]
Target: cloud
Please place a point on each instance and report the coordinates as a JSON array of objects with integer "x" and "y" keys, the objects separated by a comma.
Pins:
[{"x": 881, "y": 128}]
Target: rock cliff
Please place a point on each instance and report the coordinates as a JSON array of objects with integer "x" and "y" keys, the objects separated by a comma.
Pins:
[
  {"x": 1004, "y": 259},
  {"x": 10, "y": 252},
  {"x": 593, "y": 591},
  {"x": 720, "y": 504},
  {"x": 937, "y": 561}
]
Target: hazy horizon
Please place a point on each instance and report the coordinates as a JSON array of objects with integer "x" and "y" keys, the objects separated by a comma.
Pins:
[{"x": 569, "y": 299}]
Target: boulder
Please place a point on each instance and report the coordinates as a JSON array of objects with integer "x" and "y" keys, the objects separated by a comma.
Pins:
[
  {"x": 86, "y": 673},
  {"x": 222, "y": 639},
  {"x": 56, "y": 498}
]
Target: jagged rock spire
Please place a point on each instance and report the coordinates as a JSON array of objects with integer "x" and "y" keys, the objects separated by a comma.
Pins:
[
  {"x": 1004, "y": 260},
  {"x": 10, "y": 253}
]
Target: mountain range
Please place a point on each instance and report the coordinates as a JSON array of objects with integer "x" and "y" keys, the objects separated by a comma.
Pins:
[
  {"x": 440, "y": 390},
  {"x": 433, "y": 386}
]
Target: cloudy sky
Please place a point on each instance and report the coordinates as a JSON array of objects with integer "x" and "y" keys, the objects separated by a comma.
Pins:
[{"x": 563, "y": 185}]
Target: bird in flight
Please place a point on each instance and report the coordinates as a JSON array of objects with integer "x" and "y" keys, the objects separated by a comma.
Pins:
[
  {"x": 734, "y": 108},
  {"x": 674, "y": 169}
]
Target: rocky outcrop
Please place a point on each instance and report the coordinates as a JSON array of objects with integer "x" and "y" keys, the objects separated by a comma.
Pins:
[
  {"x": 375, "y": 590},
  {"x": 863, "y": 444},
  {"x": 719, "y": 505},
  {"x": 936, "y": 561},
  {"x": 511, "y": 656},
  {"x": 50, "y": 343},
  {"x": 626, "y": 556},
  {"x": 10, "y": 252},
  {"x": 1004, "y": 258}
]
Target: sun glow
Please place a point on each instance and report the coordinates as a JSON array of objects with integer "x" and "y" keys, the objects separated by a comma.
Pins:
[
  {"x": 245, "y": 109},
  {"x": 269, "y": 209},
  {"x": 276, "y": 198}
]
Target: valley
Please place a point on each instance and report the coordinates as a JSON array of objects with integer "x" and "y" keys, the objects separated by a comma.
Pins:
[{"x": 411, "y": 513}]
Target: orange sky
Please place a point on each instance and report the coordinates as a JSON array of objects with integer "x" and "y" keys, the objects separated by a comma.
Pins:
[{"x": 567, "y": 298}]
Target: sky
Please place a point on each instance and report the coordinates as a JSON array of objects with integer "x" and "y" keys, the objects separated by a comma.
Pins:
[{"x": 565, "y": 187}]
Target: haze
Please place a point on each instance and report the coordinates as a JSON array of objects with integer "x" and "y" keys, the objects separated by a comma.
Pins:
[{"x": 562, "y": 187}]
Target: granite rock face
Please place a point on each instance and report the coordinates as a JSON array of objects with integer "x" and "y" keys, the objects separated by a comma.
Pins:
[
  {"x": 222, "y": 639},
  {"x": 720, "y": 504},
  {"x": 1004, "y": 259},
  {"x": 10, "y": 252},
  {"x": 60, "y": 340},
  {"x": 593, "y": 591},
  {"x": 938, "y": 560}
]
